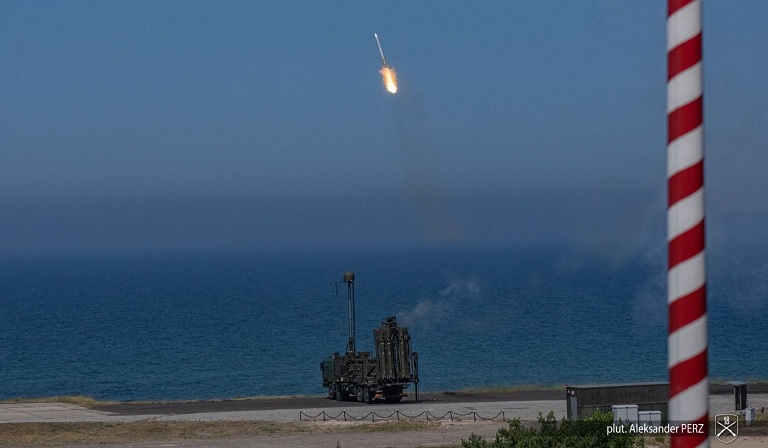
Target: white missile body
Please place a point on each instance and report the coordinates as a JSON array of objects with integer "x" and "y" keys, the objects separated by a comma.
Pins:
[{"x": 383, "y": 61}]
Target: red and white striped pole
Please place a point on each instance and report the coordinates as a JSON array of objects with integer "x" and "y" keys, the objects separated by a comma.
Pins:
[{"x": 686, "y": 297}]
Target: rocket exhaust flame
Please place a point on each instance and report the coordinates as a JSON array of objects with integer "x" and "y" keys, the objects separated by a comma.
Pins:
[
  {"x": 387, "y": 73},
  {"x": 390, "y": 79}
]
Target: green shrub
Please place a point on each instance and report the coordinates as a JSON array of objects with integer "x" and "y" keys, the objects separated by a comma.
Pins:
[{"x": 587, "y": 432}]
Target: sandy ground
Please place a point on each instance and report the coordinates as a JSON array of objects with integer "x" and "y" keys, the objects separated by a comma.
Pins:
[
  {"x": 265, "y": 426},
  {"x": 330, "y": 435},
  {"x": 279, "y": 423},
  {"x": 320, "y": 435}
]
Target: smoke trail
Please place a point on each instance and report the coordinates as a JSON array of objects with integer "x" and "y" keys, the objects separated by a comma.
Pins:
[
  {"x": 422, "y": 182},
  {"x": 458, "y": 293}
]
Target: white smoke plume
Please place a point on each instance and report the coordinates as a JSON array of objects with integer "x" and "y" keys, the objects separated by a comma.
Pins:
[{"x": 445, "y": 306}]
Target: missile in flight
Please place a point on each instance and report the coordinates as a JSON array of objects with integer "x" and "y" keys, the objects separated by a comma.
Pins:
[
  {"x": 387, "y": 73},
  {"x": 383, "y": 61}
]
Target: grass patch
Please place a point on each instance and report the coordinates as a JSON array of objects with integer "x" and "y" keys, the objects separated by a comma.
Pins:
[
  {"x": 406, "y": 425},
  {"x": 52, "y": 434},
  {"x": 458, "y": 445},
  {"x": 586, "y": 432},
  {"x": 658, "y": 440},
  {"x": 97, "y": 433}
]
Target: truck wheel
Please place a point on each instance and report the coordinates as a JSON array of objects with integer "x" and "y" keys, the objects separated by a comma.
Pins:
[
  {"x": 331, "y": 392},
  {"x": 339, "y": 393},
  {"x": 366, "y": 395},
  {"x": 359, "y": 394}
]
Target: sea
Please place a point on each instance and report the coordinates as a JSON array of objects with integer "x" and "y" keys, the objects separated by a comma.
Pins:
[{"x": 258, "y": 323}]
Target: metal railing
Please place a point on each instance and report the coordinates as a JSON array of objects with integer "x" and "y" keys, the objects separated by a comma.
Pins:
[{"x": 397, "y": 416}]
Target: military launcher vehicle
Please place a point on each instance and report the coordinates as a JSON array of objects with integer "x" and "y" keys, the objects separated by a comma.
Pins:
[{"x": 368, "y": 378}]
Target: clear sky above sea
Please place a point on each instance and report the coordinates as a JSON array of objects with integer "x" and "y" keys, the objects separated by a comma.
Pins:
[{"x": 190, "y": 125}]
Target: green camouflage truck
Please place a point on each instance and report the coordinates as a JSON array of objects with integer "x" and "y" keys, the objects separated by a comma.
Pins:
[{"x": 366, "y": 378}]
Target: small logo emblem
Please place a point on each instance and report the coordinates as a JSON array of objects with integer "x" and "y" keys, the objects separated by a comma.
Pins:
[{"x": 726, "y": 427}]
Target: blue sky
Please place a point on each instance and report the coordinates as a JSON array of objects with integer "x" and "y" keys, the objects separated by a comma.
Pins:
[{"x": 144, "y": 126}]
